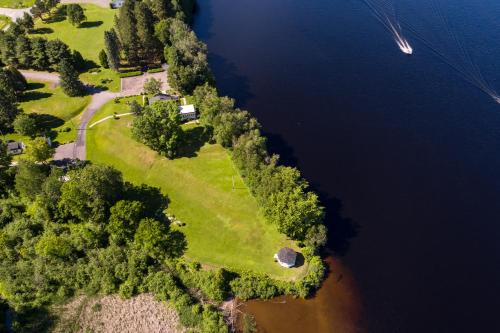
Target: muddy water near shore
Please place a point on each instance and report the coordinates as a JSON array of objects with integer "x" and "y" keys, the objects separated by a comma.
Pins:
[{"x": 334, "y": 308}]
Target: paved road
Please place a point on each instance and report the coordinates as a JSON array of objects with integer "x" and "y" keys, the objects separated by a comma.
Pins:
[
  {"x": 98, "y": 100},
  {"x": 130, "y": 87},
  {"x": 14, "y": 14},
  {"x": 41, "y": 76}
]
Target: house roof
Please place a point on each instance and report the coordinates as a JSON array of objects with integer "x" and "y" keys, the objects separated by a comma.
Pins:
[
  {"x": 287, "y": 255},
  {"x": 14, "y": 145},
  {"x": 187, "y": 109},
  {"x": 162, "y": 97}
]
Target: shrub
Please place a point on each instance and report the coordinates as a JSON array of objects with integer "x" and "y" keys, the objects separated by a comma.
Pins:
[
  {"x": 250, "y": 285},
  {"x": 130, "y": 74},
  {"x": 156, "y": 70}
]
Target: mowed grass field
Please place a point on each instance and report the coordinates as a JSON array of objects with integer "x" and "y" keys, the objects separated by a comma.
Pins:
[
  {"x": 44, "y": 98},
  {"x": 60, "y": 111},
  {"x": 16, "y": 3},
  {"x": 223, "y": 226},
  {"x": 88, "y": 39}
]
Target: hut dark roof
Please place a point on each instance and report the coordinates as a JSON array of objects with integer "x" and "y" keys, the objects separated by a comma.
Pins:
[
  {"x": 287, "y": 255},
  {"x": 13, "y": 145}
]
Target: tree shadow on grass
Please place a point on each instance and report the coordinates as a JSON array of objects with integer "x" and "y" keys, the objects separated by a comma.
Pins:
[
  {"x": 194, "y": 139},
  {"x": 90, "y": 24},
  {"x": 151, "y": 197},
  {"x": 42, "y": 31},
  {"x": 35, "y": 85},
  {"x": 47, "y": 121},
  {"x": 29, "y": 96}
]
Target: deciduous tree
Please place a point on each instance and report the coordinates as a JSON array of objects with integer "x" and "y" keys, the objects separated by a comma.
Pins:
[
  {"x": 159, "y": 127},
  {"x": 38, "y": 150},
  {"x": 25, "y": 124},
  {"x": 75, "y": 14},
  {"x": 90, "y": 192},
  {"x": 29, "y": 179},
  {"x": 152, "y": 86}
]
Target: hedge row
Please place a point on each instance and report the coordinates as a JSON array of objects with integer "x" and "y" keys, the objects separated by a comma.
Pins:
[{"x": 130, "y": 74}]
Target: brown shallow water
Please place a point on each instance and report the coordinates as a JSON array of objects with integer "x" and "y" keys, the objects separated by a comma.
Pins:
[{"x": 335, "y": 308}]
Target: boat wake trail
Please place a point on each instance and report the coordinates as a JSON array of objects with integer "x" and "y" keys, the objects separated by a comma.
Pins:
[
  {"x": 385, "y": 12},
  {"x": 448, "y": 45}
]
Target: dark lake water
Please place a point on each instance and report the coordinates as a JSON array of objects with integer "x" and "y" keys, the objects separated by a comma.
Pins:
[{"x": 400, "y": 146}]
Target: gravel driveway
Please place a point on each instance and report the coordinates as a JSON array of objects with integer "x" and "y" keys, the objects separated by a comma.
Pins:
[{"x": 14, "y": 14}]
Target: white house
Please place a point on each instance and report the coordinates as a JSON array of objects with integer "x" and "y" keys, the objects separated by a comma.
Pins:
[
  {"x": 187, "y": 112},
  {"x": 117, "y": 3},
  {"x": 286, "y": 257}
]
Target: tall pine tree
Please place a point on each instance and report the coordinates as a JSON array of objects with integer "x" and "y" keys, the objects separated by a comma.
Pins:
[
  {"x": 8, "y": 99},
  {"x": 150, "y": 46},
  {"x": 112, "y": 49},
  {"x": 127, "y": 32},
  {"x": 69, "y": 80}
]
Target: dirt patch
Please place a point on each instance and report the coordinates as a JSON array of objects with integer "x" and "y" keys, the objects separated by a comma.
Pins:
[
  {"x": 134, "y": 85},
  {"x": 110, "y": 314}
]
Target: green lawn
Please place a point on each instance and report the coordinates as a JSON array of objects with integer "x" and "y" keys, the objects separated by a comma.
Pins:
[
  {"x": 88, "y": 39},
  {"x": 16, "y": 3},
  {"x": 223, "y": 226},
  {"x": 43, "y": 98},
  {"x": 4, "y": 21},
  {"x": 59, "y": 111}
]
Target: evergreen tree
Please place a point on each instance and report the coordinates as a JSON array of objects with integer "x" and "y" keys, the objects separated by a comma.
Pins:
[
  {"x": 150, "y": 47},
  {"x": 39, "y": 59},
  {"x": 26, "y": 22},
  {"x": 8, "y": 99},
  {"x": 127, "y": 33},
  {"x": 8, "y": 48},
  {"x": 70, "y": 82},
  {"x": 112, "y": 49},
  {"x": 5, "y": 160},
  {"x": 56, "y": 51},
  {"x": 23, "y": 51},
  {"x": 8, "y": 112},
  {"x": 18, "y": 80},
  {"x": 78, "y": 60},
  {"x": 161, "y": 9},
  {"x": 103, "y": 59}
]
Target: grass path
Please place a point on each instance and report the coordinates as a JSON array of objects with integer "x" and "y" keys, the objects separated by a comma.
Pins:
[{"x": 223, "y": 226}]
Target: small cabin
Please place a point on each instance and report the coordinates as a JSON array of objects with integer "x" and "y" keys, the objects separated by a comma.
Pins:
[
  {"x": 15, "y": 147},
  {"x": 187, "y": 112},
  {"x": 162, "y": 98},
  {"x": 286, "y": 257}
]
